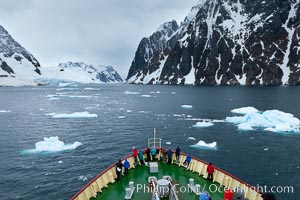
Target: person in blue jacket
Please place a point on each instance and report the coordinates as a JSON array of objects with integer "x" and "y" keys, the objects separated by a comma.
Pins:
[
  {"x": 126, "y": 166},
  {"x": 169, "y": 156},
  {"x": 187, "y": 161},
  {"x": 141, "y": 157},
  {"x": 153, "y": 153}
]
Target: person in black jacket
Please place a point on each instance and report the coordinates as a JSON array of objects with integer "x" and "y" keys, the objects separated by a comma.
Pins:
[
  {"x": 177, "y": 153},
  {"x": 119, "y": 167}
]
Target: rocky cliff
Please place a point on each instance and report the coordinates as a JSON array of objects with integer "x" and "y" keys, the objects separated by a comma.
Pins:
[
  {"x": 17, "y": 65},
  {"x": 224, "y": 42}
]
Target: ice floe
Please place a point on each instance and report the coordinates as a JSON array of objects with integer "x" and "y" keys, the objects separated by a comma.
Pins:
[
  {"x": 168, "y": 143},
  {"x": 269, "y": 120},
  {"x": 129, "y": 92},
  {"x": 52, "y": 144},
  {"x": 146, "y": 95},
  {"x": 191, "y": 138},
  {"x": 66, "y": 84},
  {"x": 121, "y": 117},
  {"x": 203, "y": 145},
  {"x": 203, "y": 124},
  {"x": 157, "y": 92},
  {"x": 90, "y": 88},
  {"x": 60, "y": 162},
  {"x": 186, "y": 106},
  {"x": 4, "y": 111},
  {"x": 73, "y": 115},
  {"x": 82, "y": 178},
  {"x": 245, "y": 110}
]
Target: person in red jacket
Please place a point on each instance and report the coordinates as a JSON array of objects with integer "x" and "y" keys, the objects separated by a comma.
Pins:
[
  {"x": 135, "y": 154},
  {"x": 210, "y": 170}
]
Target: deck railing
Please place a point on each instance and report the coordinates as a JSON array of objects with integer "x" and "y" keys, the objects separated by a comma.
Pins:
[
  {"x": 154, "y": 142},
  {"x": 198, "y": 166}
]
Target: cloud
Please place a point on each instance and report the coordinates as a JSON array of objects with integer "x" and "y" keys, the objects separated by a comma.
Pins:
[{"x": 97, "y": 32}]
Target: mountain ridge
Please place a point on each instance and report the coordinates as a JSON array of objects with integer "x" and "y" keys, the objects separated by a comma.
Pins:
[{"x": 227, "y": 42}]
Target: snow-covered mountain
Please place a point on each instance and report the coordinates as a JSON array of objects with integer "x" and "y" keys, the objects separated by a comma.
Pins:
[
  {"x": 20, "y": 68},
  {"x": 17, "y": 66},
  {"x": 80, "y": 72},
  {"x": 226, "y": 42}
]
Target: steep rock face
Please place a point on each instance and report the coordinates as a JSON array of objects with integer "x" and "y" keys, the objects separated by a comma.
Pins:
[
  {"x": 17, "y": 65},
  {"x": 150, "y": 52},
  {"x": 228, "y": 42},
  {"x": 97, "y": 74}
]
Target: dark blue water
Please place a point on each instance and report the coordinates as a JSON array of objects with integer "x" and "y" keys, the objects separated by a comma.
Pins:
[{"x": 107, "y": 138}]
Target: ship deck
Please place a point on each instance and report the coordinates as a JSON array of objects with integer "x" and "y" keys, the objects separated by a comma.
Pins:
[{"x": 140, "y": 174}]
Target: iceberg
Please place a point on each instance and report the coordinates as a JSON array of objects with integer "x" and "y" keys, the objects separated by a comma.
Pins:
[
  {"x": 203, "y": 145},
  {"x": 74, "y": 115},
  {"x": 187, "y": 106},
  {"x": 245, "y": 110},
  {"x": 52, "y": 144},
  {"x": 269, "y": 120},
  {"x": 4, "y": 111},
  {"x": 203, "y": 124}
]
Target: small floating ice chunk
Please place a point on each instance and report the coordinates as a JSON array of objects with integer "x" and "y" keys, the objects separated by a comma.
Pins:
[
  {"x": 4, "y": 111},
  {"x": 187, "y": 106},
  {"x": 79, "y": 96},
  {"x": 266, "y": 149},
  {"x": 202, "y": 144},
  {"x": 129, "y": 111},
  {"x": 52, "y": 144},
  {"x": 64, "y": 89},
  {"x": 191, "y": 138},
  {"x": 82, "y": 178},
  {"x": 146, "y": 95},
  {"x": 75, "y": 115},
  {"x": 245, "y": 110},
  {"x": 53, "y": 98},
  {"x": 129, "y": 92},
  {"x": 168, "y": 143},
  {"x": 60, "y": 162},
  {"x": 203, "y": 124},
  {"x": 173, "y": 92},
  {"x": 157, "y": 92},
  {"x": 90, "y": 88},
  {"x": 121, "y": 117}
]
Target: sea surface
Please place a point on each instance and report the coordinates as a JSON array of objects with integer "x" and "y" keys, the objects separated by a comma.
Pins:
[{"x": 127, "y": 115}]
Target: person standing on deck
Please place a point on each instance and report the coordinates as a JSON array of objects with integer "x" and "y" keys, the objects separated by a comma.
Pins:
[
  {"x": 148, "y": 155},
  {"x": 135, "y": 154},
  {"x": 210, "y": 170},
  {"x": 141, "y": 157},
  {"x": 187, "y": 161},
  {"x": 126, "y": 166},
  {"x": 119, "y": 170},
  {"x": 169, "y": 156},
  {"x": 177, "y": 153},
  {"x": 153, "y": 153}
]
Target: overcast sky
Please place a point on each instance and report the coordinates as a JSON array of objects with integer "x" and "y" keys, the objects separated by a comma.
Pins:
[{"x": 94, "y": 31}]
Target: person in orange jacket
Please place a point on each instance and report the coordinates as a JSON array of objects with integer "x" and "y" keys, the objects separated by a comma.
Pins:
[{"x": 210, "y": 170}]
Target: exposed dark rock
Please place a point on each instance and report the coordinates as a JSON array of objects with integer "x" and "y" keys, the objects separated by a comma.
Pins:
[{"x": 227, "y": 42}]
